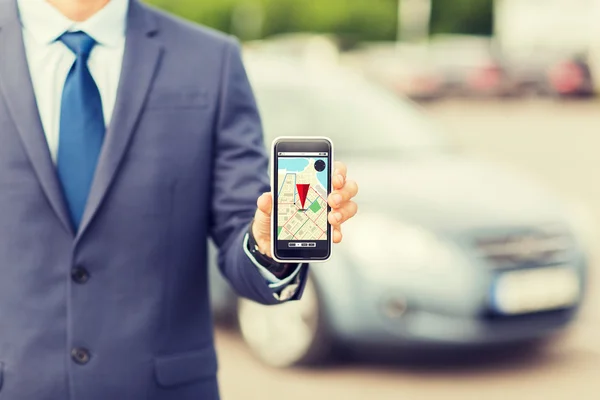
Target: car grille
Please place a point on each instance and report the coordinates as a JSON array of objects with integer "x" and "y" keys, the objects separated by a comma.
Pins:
[{"x": 525, "y": 248}]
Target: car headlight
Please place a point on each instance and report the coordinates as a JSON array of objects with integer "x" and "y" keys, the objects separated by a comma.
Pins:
[{"x": 384, "y": 247}]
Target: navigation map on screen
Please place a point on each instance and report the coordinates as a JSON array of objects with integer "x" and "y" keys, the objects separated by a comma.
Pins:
[{"x": 301, "y": 200}]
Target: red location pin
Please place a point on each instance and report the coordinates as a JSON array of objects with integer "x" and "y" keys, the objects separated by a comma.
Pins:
[{"x": 302, "y": 192}]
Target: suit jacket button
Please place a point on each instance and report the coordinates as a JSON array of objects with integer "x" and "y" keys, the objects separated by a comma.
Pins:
[
  {"x": 80, "y": 275},
  {"x": 80, "y": 355}
]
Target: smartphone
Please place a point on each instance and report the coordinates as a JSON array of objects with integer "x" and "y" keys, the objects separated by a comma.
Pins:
[{"x": 301, "y": 183}]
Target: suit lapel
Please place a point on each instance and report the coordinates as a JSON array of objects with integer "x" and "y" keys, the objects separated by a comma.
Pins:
[
  {"x": 141, "y": 59},
  {"x": 16, "y": 85}
]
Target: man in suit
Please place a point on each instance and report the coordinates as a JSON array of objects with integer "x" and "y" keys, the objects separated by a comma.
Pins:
[{"x": 128, "y": 137}]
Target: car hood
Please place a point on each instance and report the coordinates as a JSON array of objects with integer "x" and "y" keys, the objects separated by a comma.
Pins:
[{"x": 453, "y": 193}]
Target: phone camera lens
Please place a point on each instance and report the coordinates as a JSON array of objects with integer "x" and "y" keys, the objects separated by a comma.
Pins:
[{"x": 320, "y": 165}]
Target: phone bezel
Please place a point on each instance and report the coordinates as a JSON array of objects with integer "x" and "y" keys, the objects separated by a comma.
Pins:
[{"x": 299, "y": 144}]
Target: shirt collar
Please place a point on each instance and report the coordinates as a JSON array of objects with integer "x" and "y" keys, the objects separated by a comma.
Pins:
[{"x": 46, "y": 23}]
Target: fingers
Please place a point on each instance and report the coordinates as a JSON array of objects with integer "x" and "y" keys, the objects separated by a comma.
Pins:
[
  {"x": 337, "y": 235},
  {"x": 265, "y": 203},
  {"x": 342, "y": 214},
  {"x": 339, "y": 175},
  {"x": 340, "y": 200},
  {"x": 340, "y": 169},
  {"x": 343, "y": 195},
  {"x": 338, "y": 182}
]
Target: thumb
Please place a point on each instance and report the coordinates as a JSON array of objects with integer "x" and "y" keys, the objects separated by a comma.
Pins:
[
  {"x": 265, "y": 204},
  {"x": 262, "y": 222}
]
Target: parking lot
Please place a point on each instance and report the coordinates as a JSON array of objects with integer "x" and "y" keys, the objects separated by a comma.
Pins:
[{"x": 556, "y": 142}]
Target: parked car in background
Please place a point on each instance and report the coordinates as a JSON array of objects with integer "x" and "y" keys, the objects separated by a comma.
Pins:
[
  {"x": 446, "y": 249},
  {"x": 471, "y": 66},
  {"x": 553, "y": 46},
  {"x": 530, "y": 73},
  {"x": 570, "y": 77},
  {"x": 550, "y": 74},
  {"x": 406, "y": 69},
  {"x": 445, "y": 66}
]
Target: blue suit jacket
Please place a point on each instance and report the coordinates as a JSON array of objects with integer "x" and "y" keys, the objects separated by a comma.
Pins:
[{"x": 183, "y": 160}]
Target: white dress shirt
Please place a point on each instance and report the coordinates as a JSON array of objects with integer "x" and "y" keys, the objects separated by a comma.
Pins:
[{"x": 50, "y": 61}]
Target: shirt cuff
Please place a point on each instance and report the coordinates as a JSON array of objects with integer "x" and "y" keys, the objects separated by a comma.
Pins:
[{"x": 274, "y": 282}]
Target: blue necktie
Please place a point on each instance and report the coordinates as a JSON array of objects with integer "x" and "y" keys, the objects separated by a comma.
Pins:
[{"x": 81, "y": 127}]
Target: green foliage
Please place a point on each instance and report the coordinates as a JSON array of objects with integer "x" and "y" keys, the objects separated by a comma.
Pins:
[
  {"x": 364, "y": 19},
  {"x": 358, "y": 19},
  {"x": 462, "y": 16}
]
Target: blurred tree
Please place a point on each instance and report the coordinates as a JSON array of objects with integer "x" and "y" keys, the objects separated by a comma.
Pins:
[
  {"x": 372, "y": 19},
  {"x": 247, "y": 20},
  {"x": 356, "y": 19}
]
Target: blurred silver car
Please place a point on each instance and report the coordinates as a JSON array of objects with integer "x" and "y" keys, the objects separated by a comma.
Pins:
[
  {"x": 550, "y": 73},
  {"x": 471, "y": 66},
  {"x": 446, "y": 249},
  {"x": 406, "y": 69}
]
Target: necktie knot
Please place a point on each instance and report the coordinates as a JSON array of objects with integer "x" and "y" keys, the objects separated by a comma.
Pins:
[{"x": 79, "y": 43}]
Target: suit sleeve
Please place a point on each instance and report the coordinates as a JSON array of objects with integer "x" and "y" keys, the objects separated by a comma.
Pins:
[{"x": 240, "y": 176}]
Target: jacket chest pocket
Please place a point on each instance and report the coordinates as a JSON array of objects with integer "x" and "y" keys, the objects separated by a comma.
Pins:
[{"x": 182, "y": 98}]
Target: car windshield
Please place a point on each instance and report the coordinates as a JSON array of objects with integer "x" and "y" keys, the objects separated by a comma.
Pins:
[{"x": 358, "y": 117}]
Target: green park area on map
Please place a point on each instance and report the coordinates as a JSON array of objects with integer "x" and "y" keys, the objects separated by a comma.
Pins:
[{"x": 315, "y": 207}]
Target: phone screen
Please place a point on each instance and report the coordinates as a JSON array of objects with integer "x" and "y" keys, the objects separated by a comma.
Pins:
[{"x": 303, "y": 172}]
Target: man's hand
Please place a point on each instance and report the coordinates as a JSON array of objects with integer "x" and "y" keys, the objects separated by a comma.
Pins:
[{"x": 340, "y": 200}]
